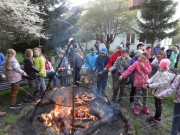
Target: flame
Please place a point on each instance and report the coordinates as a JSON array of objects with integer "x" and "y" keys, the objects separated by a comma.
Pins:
[{"x": 62, "y": 115}]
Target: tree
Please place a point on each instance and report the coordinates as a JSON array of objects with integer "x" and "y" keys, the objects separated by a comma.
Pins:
[
  {"x": 20, "y": 17},
  {"x": 105, "y": 20},
  {"x": 156, "y": 21}
]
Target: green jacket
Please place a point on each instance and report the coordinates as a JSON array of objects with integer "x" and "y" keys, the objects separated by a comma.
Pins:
[{"x": 39, "y": 63}]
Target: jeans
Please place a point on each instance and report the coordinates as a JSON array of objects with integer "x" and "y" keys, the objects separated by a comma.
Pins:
[
  {"x": 176, "y": 120},
  {"x": 63, "y": 80},
  {"x": 50, "y": 74},
  {"x": 140, "y": 92},
  {"x": 101, "y": 84},
  {"x": 40, "y": 82}
]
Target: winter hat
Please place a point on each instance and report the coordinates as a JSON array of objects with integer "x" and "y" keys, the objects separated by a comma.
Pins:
[
  {"x": 60, "y": 52},
  {"x": 119, "y": 47},
  {"x": 93, "y": 49},
  {"x": 164, "y": 63},
  {"x": 138, "y": 53},
  {"x": 103, "y": 50},
  {"x": 125, "y": 50}
]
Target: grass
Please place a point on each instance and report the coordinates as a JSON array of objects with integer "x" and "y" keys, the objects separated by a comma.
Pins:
[
  {"x": 8, "y": 119},
  {"x": 137, "y": 127},
  {"x": 20, "y": 58},
  {"x": 2, "y": 132}
]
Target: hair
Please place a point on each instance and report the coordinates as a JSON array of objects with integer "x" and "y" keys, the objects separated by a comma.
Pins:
[
  {"x": 28, "y": 53},
  {"x": 10, "y": 53},
  {"x": 175, "y": 49},
  {"x": 145, "y": 54},
  {"x": 37, "y": 48}
]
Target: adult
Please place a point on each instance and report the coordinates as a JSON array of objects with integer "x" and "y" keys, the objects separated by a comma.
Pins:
[
  {"x": 178, "y": 57},
  {"x": 169, "y": 51},
  {"x": 156, "y": 50},
  {"x": 174, "y": 56},
  {"x": 140, "y": 46},
  {"x": 96, "y": 45},
  {"x": 2, "y": 59},
  {"x": 148, "y": 50}
]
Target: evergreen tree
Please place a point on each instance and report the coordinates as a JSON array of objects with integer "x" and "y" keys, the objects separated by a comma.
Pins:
[{"x": 156, "y": 21}]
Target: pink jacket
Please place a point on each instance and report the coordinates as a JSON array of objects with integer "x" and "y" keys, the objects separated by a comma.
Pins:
[{"x": 141, "y": 73}]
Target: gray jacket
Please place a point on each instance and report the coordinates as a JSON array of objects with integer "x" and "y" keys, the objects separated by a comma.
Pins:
[{"x": 121, "y": 64}]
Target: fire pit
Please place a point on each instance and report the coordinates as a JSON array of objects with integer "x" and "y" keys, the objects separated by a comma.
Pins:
[
  {"x": 95, "y": 116},
  {"x": 88, "y": 110}
]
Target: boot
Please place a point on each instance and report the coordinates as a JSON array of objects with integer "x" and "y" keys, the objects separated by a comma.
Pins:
[{"x": 14, "y": 92}]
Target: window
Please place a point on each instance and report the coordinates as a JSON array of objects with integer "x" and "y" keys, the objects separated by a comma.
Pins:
[{"x": 131, "y": 38}]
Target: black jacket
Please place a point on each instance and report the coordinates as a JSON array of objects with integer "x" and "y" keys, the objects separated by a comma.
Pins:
[{"x": 29, "y": 68}]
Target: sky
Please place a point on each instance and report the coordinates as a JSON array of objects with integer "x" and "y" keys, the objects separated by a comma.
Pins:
[{"x": 81, "y": 2}]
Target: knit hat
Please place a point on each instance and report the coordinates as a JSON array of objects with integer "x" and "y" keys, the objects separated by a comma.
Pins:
[
  {"x": 119, "y": 47},
  {"x": 138, "y": 53},
  {"x": 125, "y": 50},
  {"x": 164, "y": 63},
  {"x": 60, "y": 52},
  {"x": 103, "y": 50},
  {"x": 93, "y": 49}
]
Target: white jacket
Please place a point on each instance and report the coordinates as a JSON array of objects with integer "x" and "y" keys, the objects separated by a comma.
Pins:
[{"x": 160, "y": 81}]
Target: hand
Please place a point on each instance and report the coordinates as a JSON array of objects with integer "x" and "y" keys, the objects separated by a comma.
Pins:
[
  {"x": 99, "y": 72},
  {"x": 60, "y": 69},
  {"x": 159, "y": 96},
  {"x": 24, "y": 74},
  {"x": 122, "y": 58},
  {"x": 3, "y": 76},
  {"x": 105, "y": 68},
  {"x": 40, "y": 72},
  {"x": 142, "y": 64},
  {"x": 110, "y": 70},
  {"x": 121, "y": 77},
  {"x": 145, "y": 86}
]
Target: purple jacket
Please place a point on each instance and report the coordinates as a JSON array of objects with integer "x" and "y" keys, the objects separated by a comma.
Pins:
[{"x": 156, "y": 50}]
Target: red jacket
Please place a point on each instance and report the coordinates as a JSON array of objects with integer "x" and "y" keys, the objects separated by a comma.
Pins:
[{"x": 113, "y": 58}]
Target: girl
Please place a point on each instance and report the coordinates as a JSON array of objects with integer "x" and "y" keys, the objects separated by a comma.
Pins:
[
  {"x": 30, "y": 69},
  {"x": 142, "y": 68},
  {"x": 159, "y": 82},
  {"x": 14, "y": 75},
  {"x": 39, "y": 63},
  {"x": 175, "y": 88}
]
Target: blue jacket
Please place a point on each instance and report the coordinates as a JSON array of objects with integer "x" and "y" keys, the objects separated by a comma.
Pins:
[
  {"x": 92, "y": 61},
  {"x": 101, "y": 63},
  {"x": 1, "y": 75},
  {"x": 2, "y": 59}
]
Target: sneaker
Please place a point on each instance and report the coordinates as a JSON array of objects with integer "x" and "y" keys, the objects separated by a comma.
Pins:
[
  {"x": 16, "y": 106},
  {"x": 146, "y": 110},
  {"x": 140, "y": 104},
  {"x": 136, "y": 111},
  {"x": 132, "y": 105},
  {"x": 153, "y": 120}
]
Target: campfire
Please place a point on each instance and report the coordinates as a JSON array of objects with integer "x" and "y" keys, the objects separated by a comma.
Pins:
[{"x": 61, "y": 118}]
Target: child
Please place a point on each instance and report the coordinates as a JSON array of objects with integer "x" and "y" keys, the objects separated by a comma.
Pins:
[
  {"x": 39, "y": 63},
  {"x": 79, "y": 61},
  {"x": 121, "y": 64},
  {"x": 50, "y": 73},
  {"x": 175, "y": 88},
  {"x": 102, "y": 76},
  {"x": 142, "y": 68},
  {"x": 159, "y": 82},
  {"x": 14, "y": 75},
  {"x": 31, "y": 71},
  {"x": 62, "y": 69}
]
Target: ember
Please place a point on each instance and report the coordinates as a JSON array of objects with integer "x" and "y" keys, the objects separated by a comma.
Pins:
[{"x": 62, "y": 114}]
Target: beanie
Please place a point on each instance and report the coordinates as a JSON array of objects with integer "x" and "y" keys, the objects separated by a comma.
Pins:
[
  {"x": 138, "y": 53},
  {"x": 164, "y": 63}
]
